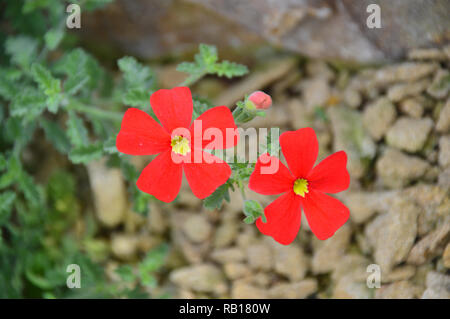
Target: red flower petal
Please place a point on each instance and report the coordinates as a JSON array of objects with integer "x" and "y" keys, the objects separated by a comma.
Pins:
[
  {"x": 324, "y": 213},
  {"x": 161, "y": 178},
  {"x": 283, "y": 218},
  {"x": 205, "y": 177},
  {"x": 330, "y": 175},
  {"x": 218, "y": 118},
  {"x": 278, "y": 182},
  {"x": 300, "y": 148},
  {"x": 173, "y": 107},
  {"x": 140, "y": 134}
]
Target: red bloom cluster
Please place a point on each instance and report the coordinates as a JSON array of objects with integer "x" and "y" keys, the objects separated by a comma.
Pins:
[
  {"x": 176, "y": 141},
  {"x": 303, "y": 186}
]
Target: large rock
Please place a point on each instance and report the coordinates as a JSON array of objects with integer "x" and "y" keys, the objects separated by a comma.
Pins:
[
  {"x": 297, "y": 290},
  {"x": 409, "y": 134},
  {"x": 197, "y": 228},
  {"x": 324, "y": 29},
  {"x": 350, "y": 136},
  {"x": 378, "y": 117},
  {"x": 363, "y": 205},
  {"x": 201, "y": 278},
  {"x": 438, "y": 286},
  {"x": 443, "y": 123},
  {"x": 328, "y": 252},
  {"x": 444, "y": 151},
  {"x": 398, "y": 290},
  {"x": 392, "y": 235},
  {"x": 396, "y": 169},
  {"x": 110, "y": 197},
  {"x": 242, "y": 290},
  {"x": 430, "y": 245},
  {"x": 260, "y": 256},
  {"x": 290, "y": 261}
]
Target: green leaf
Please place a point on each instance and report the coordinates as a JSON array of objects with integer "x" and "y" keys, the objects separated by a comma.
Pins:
[
  {"x": 154, "y": 260},
  {"x": 140, "y": 201},
  {"x": 200, "y": 107},
  {"x": 53, "y": 38},
  {"x": 29, "y": 188},
  {"x": 18, "y": 133},
  {"x": 109, "y": 146},
  {"x": 29, "y": 104},
  {"x": 56, "y": 135},
  {"x": 214, "y": 201},
  {"x": 9, "y": 87},
  {"x": 83, "y": 72},
  {"x": 208, "y": 54},
  {"x": 205, "y": 62},
  {"x": 136, "y": 75},
  {"x": 3, "y": 162},
  {"x": 229, "y": 69},
  {"x": 76, "y": 131},
  {"x": 12, "y": 173},
  {"x": 86, "y": 153},
  {"x": 126, "y": 273},
  {"x": 253, "y": 210},
  {"x": 137, "y": 98},
  {"x": 6, "y": 202},
  {"x": 38, "y": 280},
  {"x": 22, "y": 49},
  {"x": 50, "y": 85}
]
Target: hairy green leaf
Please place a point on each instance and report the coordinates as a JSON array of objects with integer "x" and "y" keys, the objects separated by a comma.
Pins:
[
  {"x": 50, "y": 85},
  {"x": 56, "y": 135},
  {"x": 253, "y": 210},
  {"x": 214, "y": 201},
  {"x": 22, "y": 49},
  {"x": 136, "y": 75},
  {"x": 29, "y": 104},
  {"x": 53, "y": 37},
  {"x": 86, "y": 153},
  {"x": 6, "y": 202},
  {"x": 76, "y": 131}
]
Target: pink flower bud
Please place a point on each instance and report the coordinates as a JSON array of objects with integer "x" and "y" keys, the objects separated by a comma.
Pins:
[{"x": 260, "y": 99}]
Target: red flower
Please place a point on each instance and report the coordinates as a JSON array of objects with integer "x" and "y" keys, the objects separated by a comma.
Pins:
[
  {"x": 179, "y": 144},
  {"x": 303, "y": 187}
]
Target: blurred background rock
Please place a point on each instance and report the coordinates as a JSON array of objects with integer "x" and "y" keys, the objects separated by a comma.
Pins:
[{"x": 320, "y": 29}]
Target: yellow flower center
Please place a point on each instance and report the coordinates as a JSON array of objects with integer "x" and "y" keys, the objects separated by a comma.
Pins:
[
  {"x": 180, "y": 145},
  {"x": 301, "y": 187}
]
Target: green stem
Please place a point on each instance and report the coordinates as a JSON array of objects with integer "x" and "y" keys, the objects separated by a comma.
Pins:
[
  {"x": 94, "y": 110},
  {"x": 191, "y": 80},
  {"x": 241, "y": 187}
]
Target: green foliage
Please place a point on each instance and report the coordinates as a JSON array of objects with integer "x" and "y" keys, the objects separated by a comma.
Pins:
[
  {"x": 76, "y": 130},
  {"x": 144, "y": 273},
  {"x": 86, "y": 153},
  {"x": 56, "y": 135},
  {"x": 53, "y": 90},
  {"x": 139, "y": 82},
  {"x": 22, "y": 50},
  {"x": 215, "y": 200},
  {"x": 49, "y": 85},
  {"x": 253, "y": 210},
  {"x": 205, "y": 62}
]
